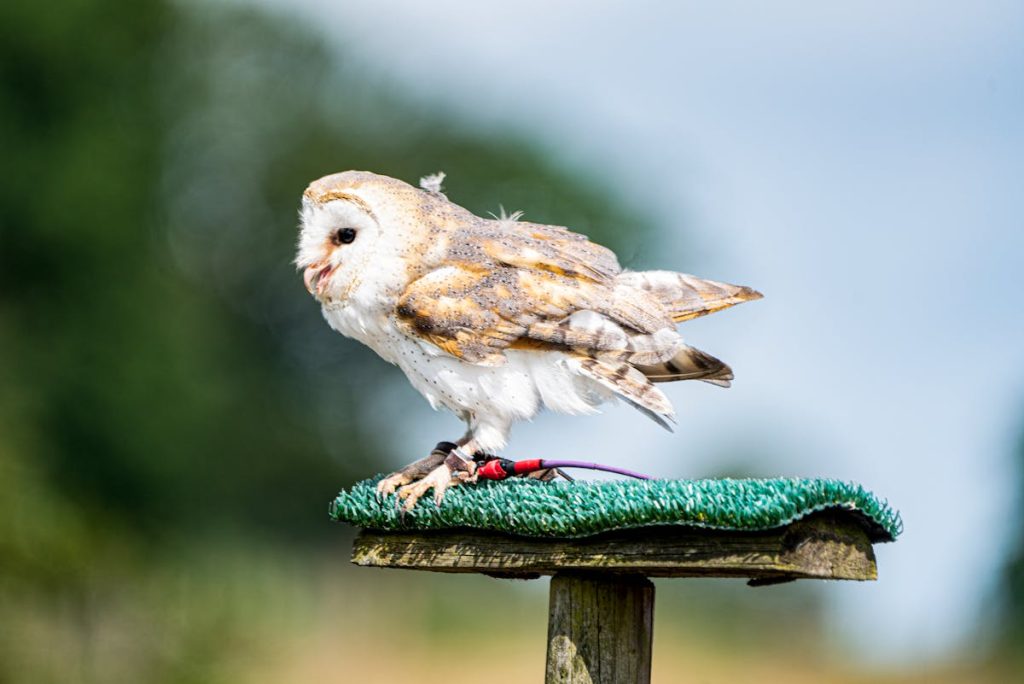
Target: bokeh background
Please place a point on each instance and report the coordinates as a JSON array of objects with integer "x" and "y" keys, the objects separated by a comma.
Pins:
[{"x": 175, "y": 416}]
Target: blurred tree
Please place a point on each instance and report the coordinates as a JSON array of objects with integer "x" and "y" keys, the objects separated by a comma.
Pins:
[
  {"x": 141, "y": 396},
  {"x": 1010, "y": 606}
]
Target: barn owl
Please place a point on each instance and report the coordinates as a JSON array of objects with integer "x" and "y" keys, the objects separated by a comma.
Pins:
[{"x": 494, "y": 319}]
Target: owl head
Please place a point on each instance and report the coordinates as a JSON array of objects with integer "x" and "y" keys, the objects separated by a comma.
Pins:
[
  {"x": 338, "y": 237},
  {"x": 359, "y": 228}
]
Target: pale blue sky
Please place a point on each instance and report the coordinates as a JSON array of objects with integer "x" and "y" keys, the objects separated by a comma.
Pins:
[{"x": 862, "y": 165}]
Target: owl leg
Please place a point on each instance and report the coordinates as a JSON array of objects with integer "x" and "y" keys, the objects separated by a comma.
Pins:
[
  {"x": 414, "y": 471},
  {"x": 453, "y": 470},
  {"x": 458, "y": 465}
]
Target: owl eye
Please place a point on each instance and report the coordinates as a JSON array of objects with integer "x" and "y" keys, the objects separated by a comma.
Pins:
[{"x": 343, "y": 236}]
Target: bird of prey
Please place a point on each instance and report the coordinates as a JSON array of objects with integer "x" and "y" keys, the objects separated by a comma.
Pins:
[{"x": 495, "y": 318}]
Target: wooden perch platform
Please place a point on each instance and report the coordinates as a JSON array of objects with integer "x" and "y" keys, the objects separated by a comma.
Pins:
[
  {"x": 600, "y": 623},
  {"x": 826, "y": 545}
]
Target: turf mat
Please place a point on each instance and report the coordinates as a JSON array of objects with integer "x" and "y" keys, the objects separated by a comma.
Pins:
[{"x": 582, "y": 508}]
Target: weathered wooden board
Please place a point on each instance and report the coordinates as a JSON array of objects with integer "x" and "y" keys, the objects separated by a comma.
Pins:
[
  {"x": 826, "y": 545},
  {"x": 600, "y": 629}
]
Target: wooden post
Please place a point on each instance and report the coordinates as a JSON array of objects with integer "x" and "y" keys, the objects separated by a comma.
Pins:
[
  {"x": 600, "y": 623},
  {"x": 600, "y": 629}
]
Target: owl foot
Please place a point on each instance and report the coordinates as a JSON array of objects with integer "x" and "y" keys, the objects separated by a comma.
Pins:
[
  {"x": 547, "y": 475},
  {"x": 414, "y": 471},
  {"x": 453, "y": 470}
]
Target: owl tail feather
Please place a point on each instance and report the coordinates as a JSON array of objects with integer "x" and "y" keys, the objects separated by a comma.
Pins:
[
  {"x": 690, "y": 363},
  {"x": 629, "y": 384},
  {"x": 686, "y": 296}
]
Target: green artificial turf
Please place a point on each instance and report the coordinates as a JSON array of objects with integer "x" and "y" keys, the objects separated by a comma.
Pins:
[{"x": 578, "y": 509}]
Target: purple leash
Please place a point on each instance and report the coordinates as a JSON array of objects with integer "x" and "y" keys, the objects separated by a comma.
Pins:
[{"x": 500, "y": 468}]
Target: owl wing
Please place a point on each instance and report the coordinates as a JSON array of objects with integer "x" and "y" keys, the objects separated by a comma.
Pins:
[
  {"x": 538, "y": 287},
  {"x": 475, "y": 314},
  {"x": 548, "y": 248},
  {"x": 578, "y": 273},
  {"x": 514, "y": 285}
]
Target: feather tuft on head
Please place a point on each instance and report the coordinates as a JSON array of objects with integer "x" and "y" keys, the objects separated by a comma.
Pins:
[
  {"x": 505, "y": 217},
  {"x": 432, "y": 183}
]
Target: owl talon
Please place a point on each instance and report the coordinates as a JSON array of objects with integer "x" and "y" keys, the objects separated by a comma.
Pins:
[
  {"x": 453, "y": 471},
  {"x": 389, "y": 484},
  {"x": 438, "y": 479},
  {"x": 414, "y": 471}
]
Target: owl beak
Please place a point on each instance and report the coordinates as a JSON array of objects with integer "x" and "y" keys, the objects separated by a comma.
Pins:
[
  {"x": 309, "y": 278},
  {"x": 315, "y": 278}
]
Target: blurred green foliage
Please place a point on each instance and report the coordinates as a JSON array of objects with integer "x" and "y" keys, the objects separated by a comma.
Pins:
[
  {"x": 165, "y": 379},
  {"x": 1009, "y": 600}
]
